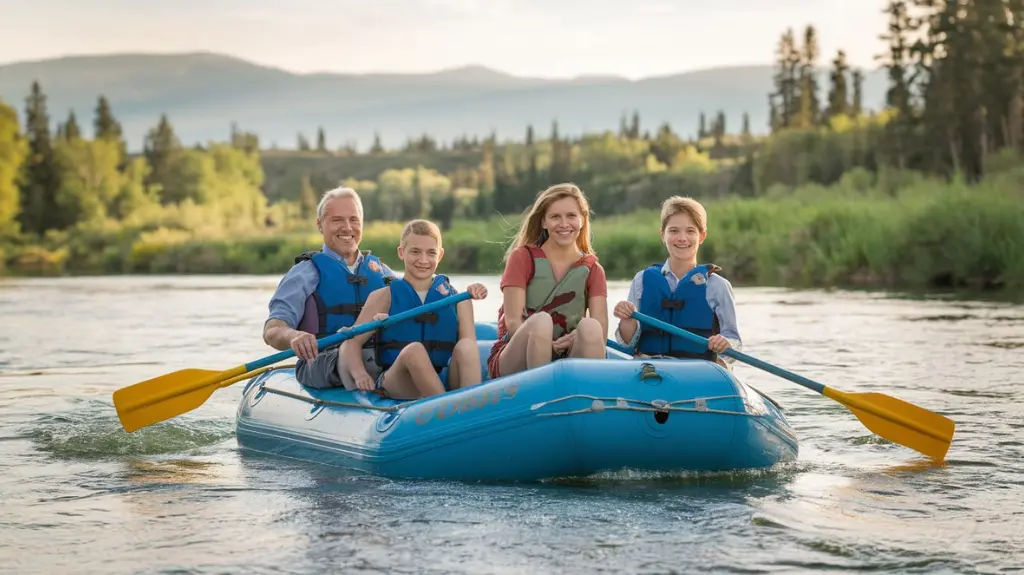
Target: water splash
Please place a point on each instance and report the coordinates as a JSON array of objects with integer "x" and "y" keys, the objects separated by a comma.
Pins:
[{"x": 92, "y": 431}]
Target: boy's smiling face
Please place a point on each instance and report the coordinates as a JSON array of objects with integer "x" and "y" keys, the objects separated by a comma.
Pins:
[
  {"x": 681, "y": 237},
  {"x": 421, "y": 255}
]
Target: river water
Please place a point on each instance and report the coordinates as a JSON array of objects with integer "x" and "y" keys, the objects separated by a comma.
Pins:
[{"x": 80, "y": 495}]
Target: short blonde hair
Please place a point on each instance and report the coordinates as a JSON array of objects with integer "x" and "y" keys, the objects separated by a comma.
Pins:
[
  {"x": 422, "y": 228},
  {"x": 679, "y": 205}
]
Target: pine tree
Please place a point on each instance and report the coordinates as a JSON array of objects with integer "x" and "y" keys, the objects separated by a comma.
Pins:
[
  {"x": 785, "y": 99},
  {"x": 161, "y": 150},
  {"x": 41, "y": 175},
  {"x": 321, "y": 140},
  {"x": 838, "y": 100},
  {"x": 376, "y": 148},
  {"x": 71, "y": 130},
  {"x": 531, "y": 160},
  {"x": 104, "y": 125},
  {"x": 810, "y": 109},
  {"x": 898, "y": 96},
  {"x": 856, "y": 107}
]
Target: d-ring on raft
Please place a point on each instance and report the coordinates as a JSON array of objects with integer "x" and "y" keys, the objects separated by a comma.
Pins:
[{"x": 573, "y": 417}]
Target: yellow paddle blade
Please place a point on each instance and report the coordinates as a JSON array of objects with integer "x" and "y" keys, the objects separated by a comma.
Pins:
[
  {"x": 167, "y": 396},
  {"x": 173, "y": 394},
  {"x": 900, "y": 422}
]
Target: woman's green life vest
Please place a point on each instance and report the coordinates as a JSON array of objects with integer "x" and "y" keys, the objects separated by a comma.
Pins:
[{"x": 565, "y": 301}]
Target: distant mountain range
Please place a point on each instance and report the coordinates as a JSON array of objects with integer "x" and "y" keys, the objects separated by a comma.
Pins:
[{"x": 204, "y": 93}]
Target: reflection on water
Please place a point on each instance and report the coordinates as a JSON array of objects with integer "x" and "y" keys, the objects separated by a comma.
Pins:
[{"x": 80, "y": 495}]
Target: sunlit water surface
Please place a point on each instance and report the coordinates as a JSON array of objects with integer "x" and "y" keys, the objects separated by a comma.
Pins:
[{"x": 79, "y": 495}]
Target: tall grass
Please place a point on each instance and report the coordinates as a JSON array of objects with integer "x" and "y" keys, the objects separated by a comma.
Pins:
[{"x": 893, "y": 230}]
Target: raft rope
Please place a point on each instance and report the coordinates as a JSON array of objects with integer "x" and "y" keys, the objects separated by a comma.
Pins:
[
  {"x": 658, "y": 405},
  {"x": 598, "y": 405},
  {"x": 320, "y": 402}
]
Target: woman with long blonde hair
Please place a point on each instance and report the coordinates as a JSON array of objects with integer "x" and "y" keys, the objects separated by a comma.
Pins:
[{"x": 555, "y": 291}]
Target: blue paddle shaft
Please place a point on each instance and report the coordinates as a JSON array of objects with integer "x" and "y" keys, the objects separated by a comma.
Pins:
[
  {"x": 361, "y": 329},
  {"x": 666, "y": 327}
]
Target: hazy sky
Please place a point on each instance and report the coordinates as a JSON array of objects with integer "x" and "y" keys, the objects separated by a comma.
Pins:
[{"x": 631, "y": 38}]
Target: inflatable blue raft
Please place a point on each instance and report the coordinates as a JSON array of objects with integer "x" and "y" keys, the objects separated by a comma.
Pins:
[{"x": 570, "y": 418}]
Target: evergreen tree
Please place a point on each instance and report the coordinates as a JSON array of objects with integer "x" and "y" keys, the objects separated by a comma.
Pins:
[
  {"x": 785, "y": 100},
  {"x": 838, "y": 100},
  {"x": 898, "y": 96},
  {"x": 104, "y": 125},
  {"x": 41, "y": 172},
  {"x": 532, "y": 177},
  {"x": 856, "y": 107},
  {"x": 376, "y": 148},
  {"x": 321, "y": 140},
  {"x": 71, "y": 130},
  {"x": 810, "y": 109},
  {"x": 162, "y": 151}
]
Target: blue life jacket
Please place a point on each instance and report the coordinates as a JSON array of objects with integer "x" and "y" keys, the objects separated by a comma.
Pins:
[
  {"x": 438, "y": 331},
  {"x": 340, "y": 295},
  {"x": 687, "y": 308}
]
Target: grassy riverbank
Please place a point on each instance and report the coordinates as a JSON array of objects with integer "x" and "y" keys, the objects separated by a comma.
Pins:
[{"x": 896, "y": 231}]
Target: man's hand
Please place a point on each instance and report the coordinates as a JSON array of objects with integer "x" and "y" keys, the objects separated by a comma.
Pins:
[{"x": 304, "y": 345}]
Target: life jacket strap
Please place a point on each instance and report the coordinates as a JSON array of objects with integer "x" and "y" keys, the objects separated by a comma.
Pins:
[
  {"x": 430, "y": 345},
  {"x": 343, "y": 308}
]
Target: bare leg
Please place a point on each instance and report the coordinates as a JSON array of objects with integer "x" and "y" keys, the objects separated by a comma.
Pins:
[
  {"x": 464, "y": 369},
  {"x": 530, "y": 345},
  {"x": 412, "y": 376},
  {"x": 588, "y": 342}
]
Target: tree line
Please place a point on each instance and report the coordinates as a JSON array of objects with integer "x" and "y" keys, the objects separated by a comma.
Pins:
[{"x": 954, "y": 105}]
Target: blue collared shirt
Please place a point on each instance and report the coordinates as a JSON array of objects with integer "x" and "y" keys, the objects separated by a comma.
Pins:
[
  {"x": 289, "y": 300},
  {"x": 719, "y": 296}
]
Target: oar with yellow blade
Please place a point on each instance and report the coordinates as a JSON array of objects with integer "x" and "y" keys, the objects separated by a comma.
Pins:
[
  {"x": 893, "y": 419},
  {"x": 173, "y": 394}
]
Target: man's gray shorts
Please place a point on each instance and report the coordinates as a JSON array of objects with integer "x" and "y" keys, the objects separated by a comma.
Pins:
[{"x": 322, "y": 372}]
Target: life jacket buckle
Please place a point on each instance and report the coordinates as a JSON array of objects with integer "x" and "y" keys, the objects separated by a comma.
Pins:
[
  {"x": 361, "y": 280},
  {"x": 668, "y": 303},
  {"x": 429, "y": 317}
]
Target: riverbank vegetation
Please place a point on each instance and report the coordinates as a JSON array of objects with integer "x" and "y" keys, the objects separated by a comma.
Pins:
[{"x": 925, "y": 192}]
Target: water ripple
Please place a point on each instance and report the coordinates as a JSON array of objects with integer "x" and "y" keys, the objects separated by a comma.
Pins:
[{"x": 179, "y": 497}]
